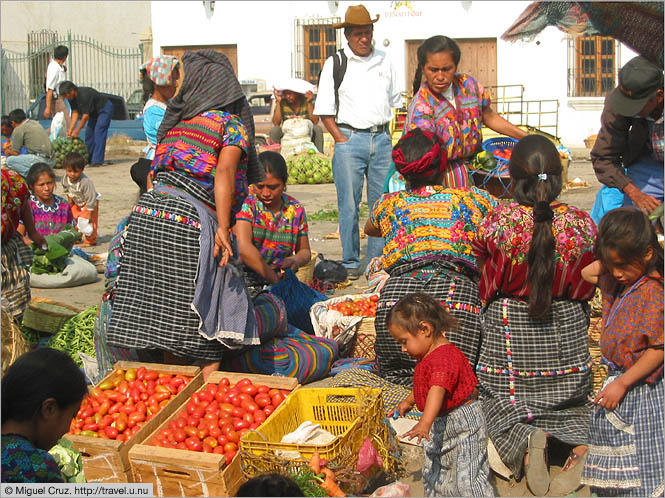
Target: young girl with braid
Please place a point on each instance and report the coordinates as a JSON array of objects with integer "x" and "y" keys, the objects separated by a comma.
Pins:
[{"x": 534, "y": 365}]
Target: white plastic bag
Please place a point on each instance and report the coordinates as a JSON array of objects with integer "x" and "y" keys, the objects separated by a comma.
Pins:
[
  {"x": 297, "y": 134},
  {"x": 77, "y": 272},
  {"x": 84, "y": 226},
  {"x": 57, "y": 126}
]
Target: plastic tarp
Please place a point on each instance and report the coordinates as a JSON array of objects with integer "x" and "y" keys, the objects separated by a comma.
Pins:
[{"x": 639, "y": 25}]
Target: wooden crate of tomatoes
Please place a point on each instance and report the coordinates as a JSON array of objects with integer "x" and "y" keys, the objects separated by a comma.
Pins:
[
  {"x": 194, "y": 452},
  {"x": 122, "y": 410},
  {"x": 349, "y": 320}
]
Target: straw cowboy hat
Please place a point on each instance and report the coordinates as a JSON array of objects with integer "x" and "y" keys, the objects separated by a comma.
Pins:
[{"x": 356, "y": 15}]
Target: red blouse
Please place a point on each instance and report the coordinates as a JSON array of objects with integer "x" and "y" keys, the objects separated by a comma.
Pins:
[
  {"x": 15, "y": 194},
  {"x": 503, "y": 241},
  {"x": 634, "y": 324},
  {"x": 447, "y": 367}
]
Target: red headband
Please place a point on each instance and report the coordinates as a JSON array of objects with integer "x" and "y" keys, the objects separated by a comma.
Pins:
[{"x": 427, "y": 164}]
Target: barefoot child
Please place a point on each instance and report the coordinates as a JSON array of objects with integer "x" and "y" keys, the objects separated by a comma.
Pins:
[
  {"x": 82, "y": 196},
  {"x": 50, "y": 212},
  {"x": 625, "y": 456},
  {"x": 444, "y": 388},
  {"x": 41, "y": 393}
]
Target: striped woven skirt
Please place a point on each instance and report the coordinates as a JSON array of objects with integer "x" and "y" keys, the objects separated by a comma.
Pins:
[
  {"x": 534, "y": 374},
  {"x": 449, "y": 283},
  {"x": 626, "y": 448},
  {"x": 456, "y": 461},
  {"x": 152, "y": 308},
  {"x": 16, "y": 258}
]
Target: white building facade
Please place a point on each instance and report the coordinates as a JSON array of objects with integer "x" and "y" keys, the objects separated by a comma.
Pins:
[{"x": 270, "y": 41}]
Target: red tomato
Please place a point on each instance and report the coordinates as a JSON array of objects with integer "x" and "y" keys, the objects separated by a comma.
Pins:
[
  {"x": 226, "y": 428},
  {"x": 259, "y": 416},
  {"x": 262, "y": 400},
  {"x": 191, "y": 431},
  {"x": 249, "y": 406},
  {"x": 243, "y": 382},
  {"x": 224, "y": 381},
  {"x": 212, "y": 389},
  {"x": 202, "y": 433},
  {"x": 193, "y": 444},
  {"x": 285, "y": 392},
  {"x": 277, "y": 399},
  {"x": 228, "y": 447},
  {"x": 179, "y": 435},
  {"x": 238, "y": 412},
  {"x": 253, "y": 426},
  {"x": 236, "y": 401},
  {"x": 222, "y": 440},
  {"x": 199, "y": 412},
  {"x": 180, "y": 422},
  {"x": 215, "y": 432},
  {"x": 111, "y": 432},
  {"x": 192, "y": 420},
  {"x": 262, "y": 389},
  {"x": 229, "y": 457},
  {"x": 181, "y": 446},
  {"x": 227, "y": 408},
  {"x": 233, "y": 437},
  {"x": 250, "y": 389},
  {"x": 249, "y": 418},
  {"x": 240, "y": 424},
  {"x": 245, "y": 397},
  {"x": 207, "y": 448},
  {"x": 272, "y": 392},
  {"x": 210, "y": 441},
  {"x": 242, "y": 431},
  {"x": 206, "y": 396},
  {"x": 268, "y": 410},
  {"x": 219, "y": 450}
]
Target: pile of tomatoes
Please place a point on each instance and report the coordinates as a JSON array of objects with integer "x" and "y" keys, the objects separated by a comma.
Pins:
[
  {"x": 357, "y": 306},
  {"x": 503, "y": 153},
  {"x": 118, "y": 407},
  {"x": 216, "y": 417}
]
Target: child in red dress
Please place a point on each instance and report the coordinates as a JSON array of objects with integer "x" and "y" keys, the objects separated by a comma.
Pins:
[{"x": 452, "y": 426}]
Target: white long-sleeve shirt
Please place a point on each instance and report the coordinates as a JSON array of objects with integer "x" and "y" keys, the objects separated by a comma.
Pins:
[{"x": 369, "y": 90}]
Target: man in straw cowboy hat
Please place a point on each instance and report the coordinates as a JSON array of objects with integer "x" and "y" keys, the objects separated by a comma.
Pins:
[
  {"x": 631, "y": 136},
  {"x": 359, "y": 125}
]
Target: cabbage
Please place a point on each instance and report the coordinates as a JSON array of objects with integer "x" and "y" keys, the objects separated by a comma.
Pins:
[{"x": 69, "y": 460}]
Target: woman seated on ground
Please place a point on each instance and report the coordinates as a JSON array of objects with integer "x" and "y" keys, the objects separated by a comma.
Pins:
[
  {"x": 271, "y": 227},
  {"x": 50, "y": 212},
  {"x": 428, "y": 230},
  {"x": 535, "y": 320},
  {"x": 291, "y": 104}
]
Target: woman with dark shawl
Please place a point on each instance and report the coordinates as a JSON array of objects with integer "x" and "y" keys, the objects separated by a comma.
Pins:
[{"x": 179, "y": 290}]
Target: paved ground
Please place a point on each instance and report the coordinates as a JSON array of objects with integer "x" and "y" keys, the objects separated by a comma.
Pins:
[{"x": 119, "y": 194}]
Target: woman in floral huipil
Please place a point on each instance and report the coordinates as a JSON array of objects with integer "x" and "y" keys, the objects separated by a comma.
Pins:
[
  {"x": 454, "y": 106},
  {"x": 534, "y": 368}
]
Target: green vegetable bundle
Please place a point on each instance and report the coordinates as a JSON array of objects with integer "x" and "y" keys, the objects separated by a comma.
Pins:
[
  {"x": 76, "y": 335},
  {"x": 54, "y": 259},
  {"x": 308, "y": 482},
  {"x": 64, "y": 145},
  {"x": 69, "y": 461},
  {"x": 309, "y": 167}
]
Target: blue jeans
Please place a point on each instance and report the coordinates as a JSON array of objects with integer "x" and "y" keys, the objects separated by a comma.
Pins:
[
  {"x": 363, "y": 155},
  {"x": 23, "y": 162},
  {"x": 96, "y": 132}
]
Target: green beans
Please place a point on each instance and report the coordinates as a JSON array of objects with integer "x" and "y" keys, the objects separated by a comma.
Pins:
[{"x": 76, "y": 335}]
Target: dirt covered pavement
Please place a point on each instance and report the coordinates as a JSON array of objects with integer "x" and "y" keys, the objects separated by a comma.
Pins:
[{"x": 119, "y": 194}]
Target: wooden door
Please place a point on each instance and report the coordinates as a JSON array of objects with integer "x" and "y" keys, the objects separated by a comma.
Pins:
[
  {"x": 478, "y": 58},
  {"x": 231, "y": 51}
]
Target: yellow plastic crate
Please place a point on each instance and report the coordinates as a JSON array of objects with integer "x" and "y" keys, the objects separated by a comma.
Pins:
[{"x": 352, "y": 414}]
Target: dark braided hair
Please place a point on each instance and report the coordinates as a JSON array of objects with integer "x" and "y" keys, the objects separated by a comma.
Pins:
[
  {"x": 434, "y": 45},
  {"x": 535, "y": 155},
  {"x": 147, "y": 84}
]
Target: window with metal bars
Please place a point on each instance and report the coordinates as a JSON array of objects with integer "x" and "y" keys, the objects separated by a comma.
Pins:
[
  {"x": 593, "y": 66},
  {"x": 316, "y": 40}
]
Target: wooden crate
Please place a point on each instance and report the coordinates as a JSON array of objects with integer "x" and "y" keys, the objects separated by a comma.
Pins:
[
  {"x": 106, "y": 460},
  {"x": 174, "y": 472}
]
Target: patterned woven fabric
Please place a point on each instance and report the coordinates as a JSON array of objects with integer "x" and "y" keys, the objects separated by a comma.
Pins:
[
  {"x": 274, "y": 235},
  {"x": 22, "y": 462},
  {"x": 626, "y": 454},
  {"x": 430, "y": 220},
  {"x": 632, "y": 324},
  {"x": 456, "y": 461},
  {"x": 53, "y": 218},
  {"x": 534, "y": 374},
  {"x": 454, "y": 286},
  {"x": 503, "y": 241},
  {"x": 459, "y": 128},
  {"x": 15, "y": 276},
  {"x": 14, "y": 194},
  {"x": 392, "y": 394},
  {"x": 192, "y": 148},
  {"x": 300, "y": 355},
  {"x": 159, "y": 69}
]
